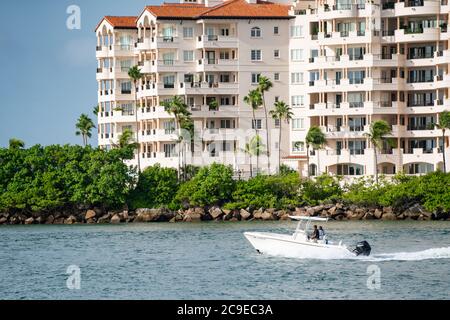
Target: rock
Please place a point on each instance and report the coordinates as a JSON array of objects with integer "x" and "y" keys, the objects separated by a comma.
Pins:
[
  {"x": 234, "y": 219},
  {"x": 70, "y": 220},
  {"x": 148, "y": 215},
  {"x": 104, "y": 219},
  {"x": 266, "y": 215},
  {"x": 414, "y": 211},
  {"x": 300, "y": 212},
  {"x": 310, "y": 212},
  {"x": 215, "y": 212},
  {"x": 258, "y": 213},
  {"x": 29, "y": 220},
  {"x": 378, "y": 213},
  {"x": 368, "y": 216},
  {"x": 173, "y": 220},
  {"x": 115, "y": 219},
  {"x": 3, "y": 220},
  {"x": 191, "y": 216},
  {"x": 244, "y": 214},
  {"x": 388, "y": 216},
  {"x": 388, "y": 210},
  {"x": 332, "y": 210},
  {"x": 284, "y": 217},
  {"x": 90, "y": 221},
  {"x": 90, "y": 214},
  {"x": 60, "y": 220},
  {"x": 124, "y": 215}
]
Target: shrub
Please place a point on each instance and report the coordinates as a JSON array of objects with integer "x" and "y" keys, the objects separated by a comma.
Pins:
[
  {"x": 322, "y": 188},
  {"x": 156, "y": 188},
  {"x": 212, "y": 185},
  {"x": 278, "y": 191}
]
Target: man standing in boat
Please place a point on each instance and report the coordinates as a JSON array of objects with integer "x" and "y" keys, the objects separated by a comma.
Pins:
[{"x": 314, "y": 235}]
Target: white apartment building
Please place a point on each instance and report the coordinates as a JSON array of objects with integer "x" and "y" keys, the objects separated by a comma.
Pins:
[
  {"x": 339, "y": 64},
  {"x": 354, "y": 62},
  {"x": 203, "y": 51}
]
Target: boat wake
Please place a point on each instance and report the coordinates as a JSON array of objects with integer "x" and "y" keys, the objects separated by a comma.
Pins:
[{"x": 433, "y": 253}]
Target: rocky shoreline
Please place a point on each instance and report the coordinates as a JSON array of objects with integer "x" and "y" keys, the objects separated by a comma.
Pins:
[{"x": 333, "y": 211}]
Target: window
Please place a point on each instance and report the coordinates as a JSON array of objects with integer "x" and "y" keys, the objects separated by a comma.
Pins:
[
  {"x": 276, "y": 76},
  {"x": 125, "y": 65},
  {"x": 224, "y": 55},
  {"x": 277, "y": 98},
  {"x": 188, "y": 55},
  {"x": 127, "y": 109},
  {"x": 255, "y": 78},
  {"x": 169, "y": 127},
  {"x": 126, "y": 87},
  {"x": 227, "y": 124},
  {"x": 297, "y": 77},
  {"x": 298, "y": 146},
  {"x": 256, "y": 123},
  {"x": 224, "y": 32},
  {"x": 296, "y": 31},
  {"x": 277, "y": 123},
  {"x": 169, "y": 81},
  {"x": 188, "y": 32},
  {"x": 276, "y": 30},
  {"x": 296, "y": 54},
  {"x": 297, "y": 101},
  {"x": 225, "y": 101},
  {"x": 256, "y": 55},
  {"x": 169, "y": 150},
  {"x": 125, "y": 42},
  {"x": 350, "y": 169},
  {"x": 298, "y": 124},
  {"x": 255, "y": 32},
  {"x": 224, "y": 78},
  {"x": 276, "y": 53}
]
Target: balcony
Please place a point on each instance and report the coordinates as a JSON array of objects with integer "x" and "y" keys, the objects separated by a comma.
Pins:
[
  {"x": 215, "y": 41},
  {"x": 166, "y": 42},
  {"x": 417, "y": 7},
  {"x": 225, "y": 88},
  {"x": 219, "y": 65},
  {"x": 417, "y": 35}
]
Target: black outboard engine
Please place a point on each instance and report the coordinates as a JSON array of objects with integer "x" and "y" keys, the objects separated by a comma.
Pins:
[{"x": 362, "y": 249}]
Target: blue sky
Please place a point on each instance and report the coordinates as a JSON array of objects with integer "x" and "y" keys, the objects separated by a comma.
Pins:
[{"x": 48, "y": 71}]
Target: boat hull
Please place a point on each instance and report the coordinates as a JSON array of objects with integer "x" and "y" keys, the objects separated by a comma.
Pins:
[{"x": 287, "y": 246}]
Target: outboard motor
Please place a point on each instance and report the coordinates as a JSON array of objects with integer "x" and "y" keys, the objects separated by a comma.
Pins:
[{"x": 362, "y": 249}]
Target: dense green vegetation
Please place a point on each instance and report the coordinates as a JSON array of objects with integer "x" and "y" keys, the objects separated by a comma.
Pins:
[{"x": 59, "y": 177}]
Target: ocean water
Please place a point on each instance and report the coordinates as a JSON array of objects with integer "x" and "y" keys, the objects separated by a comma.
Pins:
[{"x": 410, "y": 260}]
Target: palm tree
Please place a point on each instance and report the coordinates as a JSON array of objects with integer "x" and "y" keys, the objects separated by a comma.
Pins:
[
  {"x": 254, "y": 148},
  {"x": 254, "y": 100},
  {"x": 377, "y": 133},
  {"x": 178, "y": 108},
  {"x": 281, "y": 112},
  {"x": 95, "y": 110},
  {"x": 135, "y": 74},
  {"x": 314, "y": 138},
  {"x": 443, "y": 124},
  {"x": 126, "y": 140},
  {"x": 264, "y": 85},
  {"x": 16, "y": 144},
  {"x": 84, "y": 126}
]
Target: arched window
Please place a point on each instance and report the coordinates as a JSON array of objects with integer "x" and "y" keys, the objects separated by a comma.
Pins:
[{"x": 255, "y": 32}]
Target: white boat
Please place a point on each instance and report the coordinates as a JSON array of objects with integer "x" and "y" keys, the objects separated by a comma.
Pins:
[{"x": 299, "y": 245}]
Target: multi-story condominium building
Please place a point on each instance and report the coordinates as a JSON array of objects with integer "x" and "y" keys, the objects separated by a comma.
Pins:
[
  {"x": 355, "y": 62},
  {"x": 340, "y": 65},
  {"x": 205, "y": 52}
]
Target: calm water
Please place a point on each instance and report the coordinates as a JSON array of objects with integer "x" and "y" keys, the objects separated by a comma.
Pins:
[{"x": 215, "y": 261}]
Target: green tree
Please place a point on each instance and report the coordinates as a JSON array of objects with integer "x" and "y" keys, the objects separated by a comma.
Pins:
[
  {"x": 212, "y": 185},
  {"x": 135, "y": 75},
  {"x": 254, "y": 100},
  {"x": 156, "y": 188},
  {"x": 183, "y": 121},
  {"x": 314, "y": 138},
  {"x": 281, "y": 112},
  {"x": 84, "y": 127},
  {"x": 377, "y": 134},
  {"x": 443, "y": 125},
  {"x": 264, "y": 85},
  {"x": 16, "y": 143},
  {"x": 95, "y": 110}
]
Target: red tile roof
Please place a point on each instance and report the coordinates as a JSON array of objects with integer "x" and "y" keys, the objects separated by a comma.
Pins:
[
  {"x": 120, "y": 22},
  {"x": 228, "y": 9}
]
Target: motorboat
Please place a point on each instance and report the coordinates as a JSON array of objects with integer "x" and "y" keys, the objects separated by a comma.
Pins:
[{"x": 300, "y": 245}]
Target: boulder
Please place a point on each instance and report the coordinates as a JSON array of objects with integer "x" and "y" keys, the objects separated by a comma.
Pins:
[
  {"x": 310, "y": 212},
  {"x": 388, "y": 210},
  {"x": 115, "y": 219},
  {"x": 3, "y": 220},
  {"x": 173, "y": 220},
  {"x": 60, "y": 220},
  {"x": 70, "y": 220},
  {"x": 148, "y": 215},
  {"x": 388, "y": 216},
  {"x": 378, "y": 213},
  {"x": 191, "y": 216},
  {"x": 244, "y": 214},
  {"x": 332, "y": 210},
  {"x": 258, "y": 213},
  {"x": 90, "y": 214},
  {"x": 226, "y": 216},
  {"x": 300, "y": 212},
  {"x": 266, "y": 215},
  {"x": 234, "y": 219},
  {"x": 368, "y": 216},
  {"x": 215, "y": 212},
  {"x": 414, "y": 211},
  {"x": 104, "y": 219},
  {"x": 29, "y": 220},
  {"x": 90, "y": 221}
]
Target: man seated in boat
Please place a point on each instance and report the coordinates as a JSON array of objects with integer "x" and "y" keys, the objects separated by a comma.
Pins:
[
  {"x": 314, "y": 235},
  {"x": 322, "y": 234}
]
